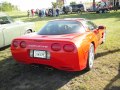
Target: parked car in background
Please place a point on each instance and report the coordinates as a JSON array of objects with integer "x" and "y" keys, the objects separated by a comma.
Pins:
[
  {"x": 67, "y": 9},
  {"x": 78, "y": 8},
  {"x": 66, "y": 44},
  {"x": 100, "y": 7},
  {"x": 10, "y": 29}
]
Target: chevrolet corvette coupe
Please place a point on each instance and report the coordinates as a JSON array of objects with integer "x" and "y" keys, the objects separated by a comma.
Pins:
[
  {"x": 10, "y": 29},
  {"x": 67, "y": 44}
]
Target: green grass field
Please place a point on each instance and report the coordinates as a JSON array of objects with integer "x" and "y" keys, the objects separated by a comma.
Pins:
[{"x": 105, "y": 74}]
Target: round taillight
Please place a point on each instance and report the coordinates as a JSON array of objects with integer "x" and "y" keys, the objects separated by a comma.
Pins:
[
  {"x": 15, "y": 43},
  {"x": 68, "y": 48},
  {"x": 23, "y": 44},
  {"x": 56, "y": 47}
]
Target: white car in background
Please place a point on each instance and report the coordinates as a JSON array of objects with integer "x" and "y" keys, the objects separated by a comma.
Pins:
[{"x": 10, "y": 29}]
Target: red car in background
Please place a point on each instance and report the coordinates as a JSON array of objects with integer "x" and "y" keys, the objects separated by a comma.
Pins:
[{"x": 66, "y": 44}]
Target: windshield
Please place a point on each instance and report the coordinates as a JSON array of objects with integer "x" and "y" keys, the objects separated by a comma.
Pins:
[
  {"x": 61, "y": 27},
  {"x": 5, "y": 20}
]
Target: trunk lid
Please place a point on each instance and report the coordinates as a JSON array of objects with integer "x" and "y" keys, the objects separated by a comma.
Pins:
[{"x": 65, "y": 37}]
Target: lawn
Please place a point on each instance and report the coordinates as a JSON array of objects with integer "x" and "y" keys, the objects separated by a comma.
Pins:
[{"x": 105, "y": 74}]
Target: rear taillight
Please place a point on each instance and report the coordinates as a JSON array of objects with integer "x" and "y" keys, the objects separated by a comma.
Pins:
[
  {"x": 23, "y": 44},
  {"x": 68, "y": 48},
  {"x": 15, "y": 44},
  {"x": 56, "y": 47}
]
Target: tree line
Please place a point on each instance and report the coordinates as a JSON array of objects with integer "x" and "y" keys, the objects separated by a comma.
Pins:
[
  {"x": 60, "y": 4},
  {"x": 5, "y": 6}
]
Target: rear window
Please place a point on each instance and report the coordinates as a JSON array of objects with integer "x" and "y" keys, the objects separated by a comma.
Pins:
[{"x": 62, "y": 27}]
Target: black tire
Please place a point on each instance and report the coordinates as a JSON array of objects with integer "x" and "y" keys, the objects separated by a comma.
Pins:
[
  {"x": 79, "y": 11},
  {"x": 105, "y": 11},
  {"x": 97, "y": 11},
  {"x": 90, "y": 59}
]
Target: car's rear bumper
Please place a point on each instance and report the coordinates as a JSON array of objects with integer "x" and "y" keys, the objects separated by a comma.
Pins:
[{"x": 63, "y": 61}]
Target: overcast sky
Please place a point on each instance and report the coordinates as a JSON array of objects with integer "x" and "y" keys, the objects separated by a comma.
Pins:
[{"x": 34, "y": 4}]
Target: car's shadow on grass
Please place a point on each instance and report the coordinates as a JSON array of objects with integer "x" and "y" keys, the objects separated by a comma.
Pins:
[
  {"x": 116, "y": 79},
  {"x": 24, "y": 77},
  {"x": 106, "y": 53},
  {"x": 3, "y": 48}
]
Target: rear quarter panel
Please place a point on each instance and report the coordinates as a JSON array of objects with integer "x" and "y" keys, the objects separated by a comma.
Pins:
[
  {"x": 83, "y": 44},
  {"x": 26, "y": 26}
]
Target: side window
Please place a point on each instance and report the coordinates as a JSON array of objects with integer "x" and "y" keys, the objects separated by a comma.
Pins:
[
  {"x": 4, "y": 20},
  {"x": 91, "y": 25},
  {"x": 77, "y": 28}
]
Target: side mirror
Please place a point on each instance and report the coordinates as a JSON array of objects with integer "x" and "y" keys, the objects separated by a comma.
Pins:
[{"x": 101, "y": 27}]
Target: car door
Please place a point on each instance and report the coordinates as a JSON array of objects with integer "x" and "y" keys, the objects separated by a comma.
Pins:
[
  {"x": 92, "y": 27},
  {"x": 10, "y": 30}
]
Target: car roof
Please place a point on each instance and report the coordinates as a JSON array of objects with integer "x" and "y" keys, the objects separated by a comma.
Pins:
[
  {"x": 70, "y": 19},
  {"x": 3, "y": 14}
]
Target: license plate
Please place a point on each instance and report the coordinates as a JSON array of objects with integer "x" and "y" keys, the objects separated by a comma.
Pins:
[{"x": 40, "y": 54}]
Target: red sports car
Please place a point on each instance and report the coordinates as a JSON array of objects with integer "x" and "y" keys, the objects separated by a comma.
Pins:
[{"x": 66, "y": 44}]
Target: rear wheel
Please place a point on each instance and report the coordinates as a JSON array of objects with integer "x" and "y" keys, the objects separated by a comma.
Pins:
[
  {"x": 90, "y": 57},
  {"x": 79, "y": 12}
]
